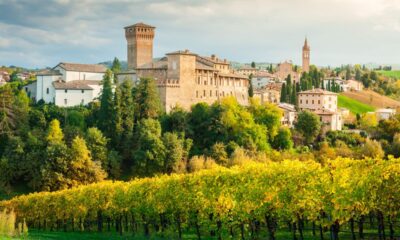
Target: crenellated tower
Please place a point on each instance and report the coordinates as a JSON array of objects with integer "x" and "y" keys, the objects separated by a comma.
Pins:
[{"x": 140, "y": 44}]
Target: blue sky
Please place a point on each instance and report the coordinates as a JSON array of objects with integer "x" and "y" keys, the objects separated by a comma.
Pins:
[{"x": 40, "y": 33}]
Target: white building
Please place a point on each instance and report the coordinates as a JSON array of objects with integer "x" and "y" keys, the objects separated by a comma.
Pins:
[
  {"x": 324, "y": 104},
  {"x": 385, "y": 113},
  {"x": 68, "y": 84},
  {"x": 289, "y": 114},
  {"x": 345, "y": 85}
]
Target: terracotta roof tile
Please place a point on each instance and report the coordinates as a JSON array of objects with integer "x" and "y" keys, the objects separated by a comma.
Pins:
[
  {"x": 78, "y": 67},
  {"x": 76, "y": 84}
]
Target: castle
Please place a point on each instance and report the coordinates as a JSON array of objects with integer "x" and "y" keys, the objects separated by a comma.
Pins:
[{"x": 183, "y": 78}]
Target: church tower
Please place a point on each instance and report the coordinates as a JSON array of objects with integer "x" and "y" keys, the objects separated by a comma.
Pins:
[
  {"x": 306, "y": 57},
  {"x": 140, "y": 44}
]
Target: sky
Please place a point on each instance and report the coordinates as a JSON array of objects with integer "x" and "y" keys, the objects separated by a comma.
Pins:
[{"x": 42, "y": 33}]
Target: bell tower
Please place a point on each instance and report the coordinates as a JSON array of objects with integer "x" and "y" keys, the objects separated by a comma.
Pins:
[
  {"x": 140, "y": 44},
  {"x": 306, "y": 57}
]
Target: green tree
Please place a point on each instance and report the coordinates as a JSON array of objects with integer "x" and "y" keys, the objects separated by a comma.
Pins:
[
  {"x": 149, "y": 154},
  {"x": 105, "y": 121},
  {"x": 283, "y": 140},
  {"x": 253, "y": 64},
  {"x": 175, "y": 152},
  {"x": 175, "y": 121},
  {"x": 250, "y": 89},
  {"x": 283, "y": 93},
  {"x": 219, "y": 154},
  {"x": 97, "y": 145},
  {"x": 309, "y": 125},
  {"x": 348, "y": 73},
  {"x": 8, "y": 117},
  {"x": 147, "y": 100},
  {"x": 268, "y": 115},
  {"x": 116, "y": 66},
  {"x": 358, "y": 74}
]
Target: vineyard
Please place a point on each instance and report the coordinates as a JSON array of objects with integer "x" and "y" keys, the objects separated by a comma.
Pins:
[{"x": 244, "y": 202}]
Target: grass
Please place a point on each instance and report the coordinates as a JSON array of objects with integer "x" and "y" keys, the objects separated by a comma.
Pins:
[
  {"x": 353, "y": 105},
  {"x": 391, "y": 74},
  {"x": 280, "y": 234}
]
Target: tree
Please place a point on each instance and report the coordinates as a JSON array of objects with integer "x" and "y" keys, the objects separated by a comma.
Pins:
[
  {"x": 116, "y": 66},
  {"x": 371, "y": 149},
  {"x": 368, "y": 121},
  {"x": 8, "y": 118},
  {"x": 81, "y": 168},
  {"x": 283, "y": 140},
  {"x": 268, "y": 115},
  {"x": 147, "y": 101},
  {"x": 125, "y": 123},
  {"x": 283, "y": 93},
  {"x": 358, "y": 74},
  {"x": 219, "y": 154},
  {"x": 54, "y": 133},
  {"x": 97, "y": 145},
  {"x": 105, "y": 121},
  {"x": 309, "y": 125},
  {"x": 348, "y": 73},
  {"x": 174, "y": 152},
  {"x": 175, "y": 121},
  {"x": 149, "y": 154},
  {"x": 253, "y": 64},
  {"x": 250, "y": 90}
]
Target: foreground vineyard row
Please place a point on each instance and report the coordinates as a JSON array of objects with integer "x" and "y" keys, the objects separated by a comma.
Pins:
[{"x": 235, "y": 201}]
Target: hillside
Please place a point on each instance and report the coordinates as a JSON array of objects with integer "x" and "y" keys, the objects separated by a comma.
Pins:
[
  {"x": 373, "y": 99},
  {"x": 353, "y": 105},
  {"x": 391, "y": 74}
]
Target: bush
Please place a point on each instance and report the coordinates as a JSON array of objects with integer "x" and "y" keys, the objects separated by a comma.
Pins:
[{"x": 7, "y": 225}]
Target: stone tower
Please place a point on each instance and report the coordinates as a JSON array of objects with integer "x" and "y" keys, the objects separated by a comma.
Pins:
[
  {"x": 140, "y": 44},
  {"x": 306, "y": 57}
]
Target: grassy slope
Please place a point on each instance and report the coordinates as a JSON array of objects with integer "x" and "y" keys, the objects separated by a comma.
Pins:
[
  {"x": 392, "y": 74},
  {"x": 373, "y": 99},
  {"x": 353, "y": 105}
]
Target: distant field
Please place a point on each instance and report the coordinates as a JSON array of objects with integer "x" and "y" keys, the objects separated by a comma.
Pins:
[
  {"x": 373, "y": 99},
  {"x": 353, "y": 105},
  {"x": 392, "y": 74}
]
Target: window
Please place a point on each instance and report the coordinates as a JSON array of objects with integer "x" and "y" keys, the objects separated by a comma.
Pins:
[
  {"x": 83, "y": 91},
  {"x": 198, "y": 80},
  {"x": 312, "y": 101},
  {"x": 47, "y": 90},
  {"x": 306, "y": 101},
  {"x": 301, "y": 101},
  {"x": 66, "y": 90},
  {"x": 319, "y": 101},
  {"x": 216, "y": 93},
  {"x": 204, "y": 93},
  {"x": 210, "y": 93},
  {"x": 65, "y": 101},
  {"x": 197, "y": 94}
]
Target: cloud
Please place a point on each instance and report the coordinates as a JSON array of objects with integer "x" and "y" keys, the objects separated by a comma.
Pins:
[{"x": 43, "y": 33}]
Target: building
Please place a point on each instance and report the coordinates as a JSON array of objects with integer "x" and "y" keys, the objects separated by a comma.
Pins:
[
  {"x": 385, "y": 113},
  {"x": 262, "y": 79},
  {"x": 306, "y": 57},
  {"x": 324, "y": 104},
  {"x": 247, "y": 70},
  {"x": 67, "y": 84},
  {"x": 140, "y": 38},
  {"x": 289, "y": 114},
  {"x": 182, "y": 78},
  {"x": 268, "y": 94},
  {"x": 345, "y": 85},
  {"x": 354, "y": 85},
  {"x": 285, "y": 69},
  {"x": 4, "y": 76}
]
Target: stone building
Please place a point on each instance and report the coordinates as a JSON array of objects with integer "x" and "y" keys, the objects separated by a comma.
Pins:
[
  {"x": 183, "y": 78},
  {"x": 270, "y": 93},
  {"x": 324, "y": 104},
  {"x": 247, "y": 70},
  {"x": 262, "y": 79},
  {"x": 306, "y": 57},
  {"x": 289, "y": 114},
  {"x": 286, "y": 68},
  {"x": 67, "y": 84}
]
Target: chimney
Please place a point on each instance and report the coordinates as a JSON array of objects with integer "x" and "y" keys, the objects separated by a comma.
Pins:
[{"x": 213, "y": 56}]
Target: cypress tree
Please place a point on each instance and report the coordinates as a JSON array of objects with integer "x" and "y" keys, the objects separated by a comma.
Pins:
[
  {"x": 283, "y": 92},
  {"x": 105, "y": 121},
  {"x": 251, "y": 90}
]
